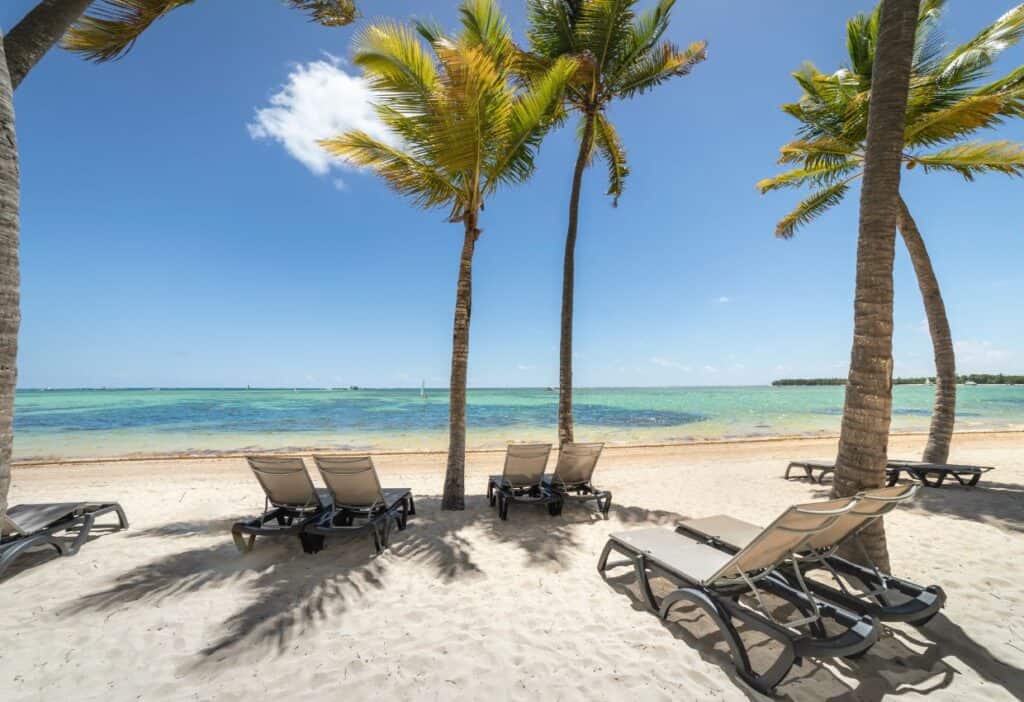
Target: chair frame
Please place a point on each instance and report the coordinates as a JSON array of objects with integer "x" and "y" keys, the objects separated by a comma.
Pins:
[
  {"x": 82, "y": 518},
  {"x": 501, "y": 493},
  {"x": 278, "y": 519},
  {"x": 720, "y": 599},
  {"x": 581, "y": 491}
]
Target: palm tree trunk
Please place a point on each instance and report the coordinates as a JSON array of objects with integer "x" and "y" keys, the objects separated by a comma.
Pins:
[
  {"x": 37, "y": 32},
  {"x": 565, "y": 424},
  {"x": 864, "y": 437},
  {"x": 10, "y": 313},
  {"x": 455, "y": 476},
  {"x": 940, "y": 433}
]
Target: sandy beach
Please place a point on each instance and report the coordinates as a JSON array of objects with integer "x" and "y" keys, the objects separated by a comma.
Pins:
[{"x": 464, "y": 606}]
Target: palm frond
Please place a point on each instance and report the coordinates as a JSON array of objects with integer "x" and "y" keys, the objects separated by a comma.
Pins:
[
  {"x": 967, "y": 115},
  {"x": 811, "y": 208},
  {"x": 823, "y": 175},
  {"x": 663, "y": 62},
  {"x": 328, "y": 13},
  {"x": 110, "y": 28},
  {"x": 484, "y": 25},
  {"x": 974, "y": 158},
  {"x": 396, "y": 65},
  {"x": 551, "y": 28},
  {"x": 405, "y": 174},
  {"x": 530, "y": 116},
  {"x": 965, "y": 62},
  {"x": 817, "y": 153},
  {"x": 602, "y": 29},
  {"x": 608, "y": 144}
]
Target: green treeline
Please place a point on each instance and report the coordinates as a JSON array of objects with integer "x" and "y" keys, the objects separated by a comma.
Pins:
[{"x": 974, "y": 378}]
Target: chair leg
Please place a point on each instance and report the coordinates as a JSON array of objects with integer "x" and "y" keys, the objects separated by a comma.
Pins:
[
  {"x": 490, "y": 492},
  {"x": 412, "y": 505},
  {"x": 13, "y": 551}
]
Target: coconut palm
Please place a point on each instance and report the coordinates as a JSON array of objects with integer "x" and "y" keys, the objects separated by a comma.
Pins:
[
  {"x": 462, "y": 128},
  {"x": 864, "y": 437},
  {"x": 108, "y": 32},
  {"x": 621, "y": 55},
  {"x": 949, "y": 101}
]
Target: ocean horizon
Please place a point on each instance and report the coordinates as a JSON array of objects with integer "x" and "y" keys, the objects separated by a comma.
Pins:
[{"x": 125, "y": 422}]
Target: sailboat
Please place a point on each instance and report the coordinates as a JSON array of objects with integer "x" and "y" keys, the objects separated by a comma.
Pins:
[{"x": 423, "y": 389}]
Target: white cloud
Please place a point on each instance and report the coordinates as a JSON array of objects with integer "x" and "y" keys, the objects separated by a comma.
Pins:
[
  {"x": 978, "y": 356},
  {"x": 710, "y": 369},
  {"x": 525, "y": 366},
  {"x": 669, "y": 363},
  {"x": 318, "y": 100},
  {"x": 721, "y": 300}
]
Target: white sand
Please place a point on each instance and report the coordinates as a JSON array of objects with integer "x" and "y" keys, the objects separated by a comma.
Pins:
[{"x": 464, "y": 606}]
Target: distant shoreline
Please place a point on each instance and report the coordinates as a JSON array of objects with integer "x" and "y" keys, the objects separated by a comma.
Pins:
[
  {"x": 970, "y": 379},
  {"x": 306, "y": 452}
]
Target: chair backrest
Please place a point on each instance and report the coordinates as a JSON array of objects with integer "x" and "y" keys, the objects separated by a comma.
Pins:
[
  {"x": 867, "y": 507},
  {"x": 525, "y": 464},
  {"x": 785, "y": 536},
  {"x": 8, "y": 527},
  {"x": 576, "y": 463},
  {"x": 351, "y": 480},
  {"x": 285, "y": 480}
]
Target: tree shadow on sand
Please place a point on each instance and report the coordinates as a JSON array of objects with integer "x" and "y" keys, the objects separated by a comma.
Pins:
[
  {"x": 997, "y": 504},
  {"x": 290, "y": 593},
  {"x": 905, "y": 659}
]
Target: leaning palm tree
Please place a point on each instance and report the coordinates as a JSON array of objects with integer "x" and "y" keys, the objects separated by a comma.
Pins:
[
  {"x": 461, "y": 129},
  {"x": 621, "y": 55},
  {"x": 107, "y": 32},
  {"x": 867, "y": 412},
  {"x": 950, "y": 99}
]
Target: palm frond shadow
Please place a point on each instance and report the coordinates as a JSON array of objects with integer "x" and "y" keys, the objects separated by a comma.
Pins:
[
  {"x": 291, "y": 593},
  {"x": 997, "y": 504}
]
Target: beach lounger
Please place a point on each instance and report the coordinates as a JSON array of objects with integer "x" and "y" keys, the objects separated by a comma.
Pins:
[
  {"x": 358, "y": 502},
  {"x": 521, "y": 480},
  {"x": 65, "y": 526},
  {"x": 290, "y": 502},
  {"x": 934, "y": 474},
  {"x": 859, "y": 588},
  {"x": 723, "y": 584},
  {"x": 573, "y": 473},
  {"x": 929, "y": 474}
]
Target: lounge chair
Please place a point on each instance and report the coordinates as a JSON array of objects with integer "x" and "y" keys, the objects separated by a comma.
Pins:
[
  {"x": 27, "y": 526},
  {"x": 521, "y": 480},
  {"x": 859, "y": 588},
  {"x": 290, "y": 502},
  {"x": 358, "y": 503},
  {"x": 934, "y": 474},
  {"x": 930, "y": 474},
  {"x": 571, "y": 479},
  {"x": 717, "y": 582}
]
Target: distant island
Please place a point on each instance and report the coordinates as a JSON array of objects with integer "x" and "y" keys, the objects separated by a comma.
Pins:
[{"x": 973, "y": 379}]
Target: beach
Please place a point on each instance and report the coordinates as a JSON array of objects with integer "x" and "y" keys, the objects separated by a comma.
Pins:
[{"x": 465, "y": 606}]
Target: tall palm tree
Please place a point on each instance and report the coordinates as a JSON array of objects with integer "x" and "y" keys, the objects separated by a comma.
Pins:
[
  {"x": 621, "y": 55},
  {"x": 948, "y": 102},
  {"x": 462, "y": 128},
  {"x": 864, "y": 437},
  {"x": 107, "y": 33}
]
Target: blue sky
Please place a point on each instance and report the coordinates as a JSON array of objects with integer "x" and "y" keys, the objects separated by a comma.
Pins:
[{"x": 168, "y": 239}]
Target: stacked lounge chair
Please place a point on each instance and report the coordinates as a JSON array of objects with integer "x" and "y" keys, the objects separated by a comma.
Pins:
[
  {"x": 291, "y": 501},
  {"x": 65, "y": 526},
  {"x": 929, "y": 474},
  {"x": 522, "y": 480},
  {"x": 573, "y": 473},
  {"x": 859, "y": 588},
  {"x": 717, "y": 581},
  {"x": 358, "y": 502}
]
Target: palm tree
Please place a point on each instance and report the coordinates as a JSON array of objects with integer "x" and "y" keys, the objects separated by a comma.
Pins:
[
  {"x": 462, "y": 128},
  {"x": 620, "y": 56},
  {"x": 948, "y": 102},
  {"x": 107, "y": 33},
  {"x": 864, "y": 437}
]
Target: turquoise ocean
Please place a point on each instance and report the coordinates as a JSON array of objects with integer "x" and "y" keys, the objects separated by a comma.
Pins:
[{"x": 108, "y": 423}]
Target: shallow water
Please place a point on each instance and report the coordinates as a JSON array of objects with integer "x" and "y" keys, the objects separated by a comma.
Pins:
[{"x": 87, "y": 423}]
